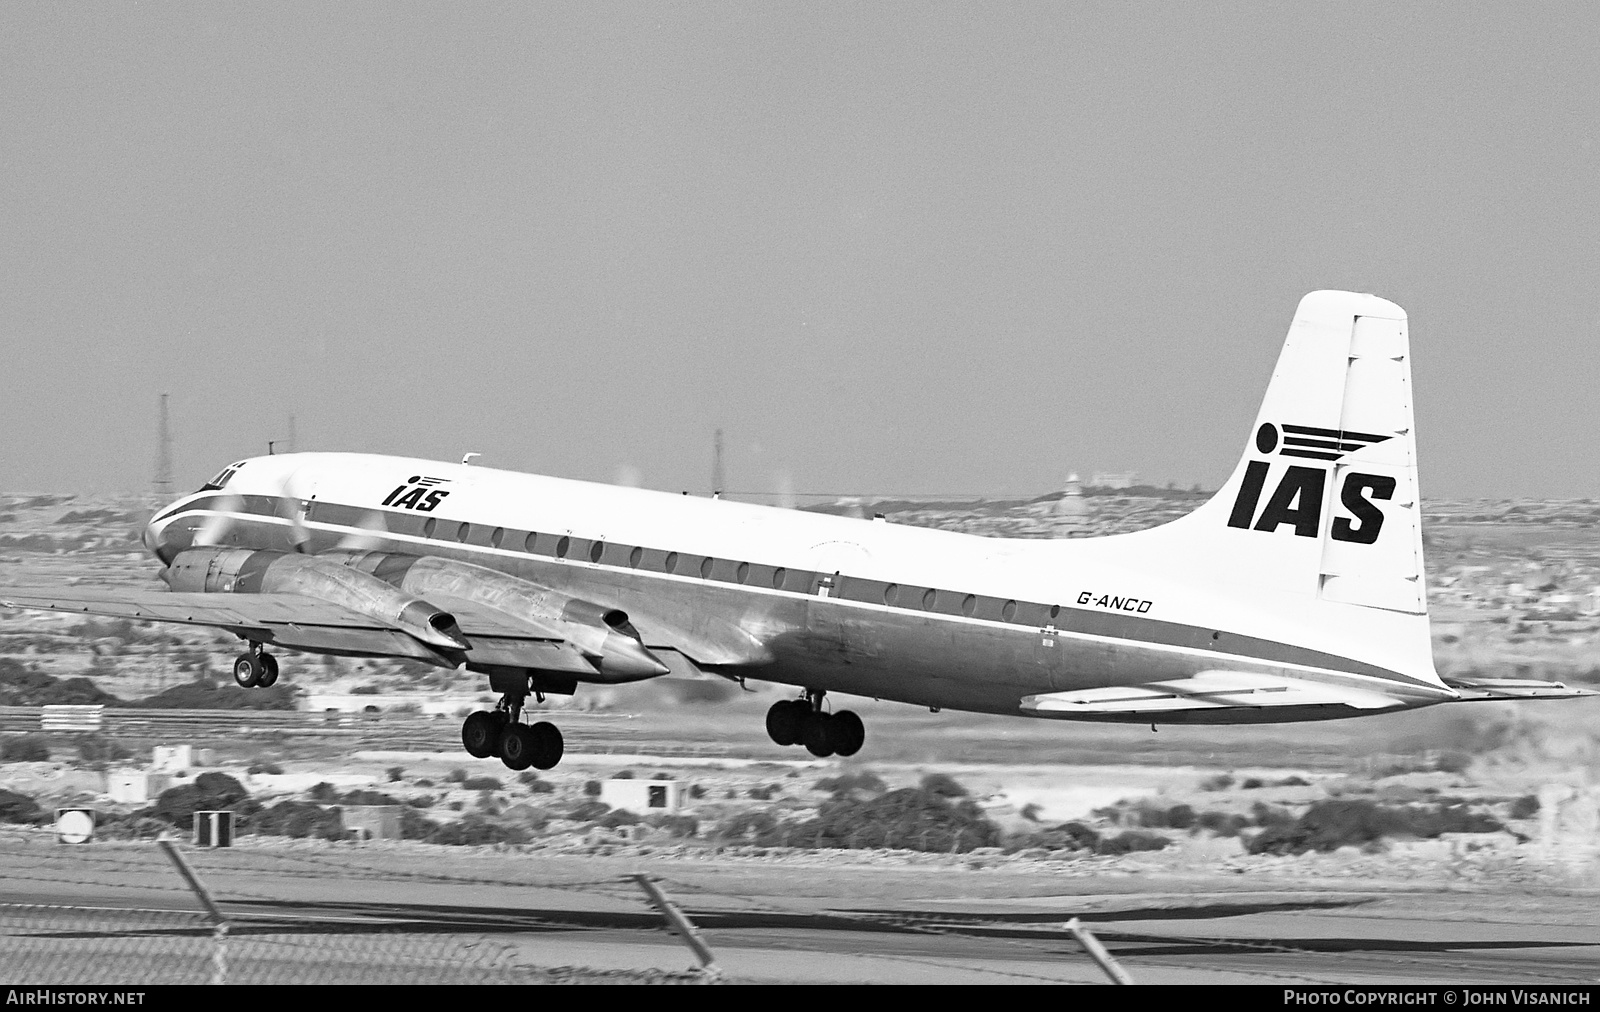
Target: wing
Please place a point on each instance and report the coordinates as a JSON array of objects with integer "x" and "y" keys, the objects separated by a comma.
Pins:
[
  {"x": 1209, "y": 697},
  {"x": 301, "y": 622}
]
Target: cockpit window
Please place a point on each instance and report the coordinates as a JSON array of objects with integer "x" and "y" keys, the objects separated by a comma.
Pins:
[{"x": 222, "y": 478}]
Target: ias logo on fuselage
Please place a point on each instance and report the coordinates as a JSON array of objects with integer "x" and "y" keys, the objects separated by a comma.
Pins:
[
  {"x": 1297, "y": 499},
  {"x": 418, "y": 493}
]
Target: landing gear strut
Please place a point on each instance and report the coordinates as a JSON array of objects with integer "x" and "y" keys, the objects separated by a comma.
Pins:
[
  {"x": 803, "y": 722},
  {"x": 255, "y": 668},
  {"x": 500, "y": 732}
]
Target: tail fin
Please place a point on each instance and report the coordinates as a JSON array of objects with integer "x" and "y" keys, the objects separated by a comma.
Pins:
[{"x": 1321, "y": 517}]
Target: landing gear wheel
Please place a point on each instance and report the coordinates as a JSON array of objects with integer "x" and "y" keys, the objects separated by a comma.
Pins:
[
  {"x": 247, "y": 671},
  {"x": 548, "y": 745},
  {"x": 518, "y": 746},
  {"x": 269, "y": 671},
  {"x": 480, "y": 734},
  {"x": 846, "y": 733},
  {"x": 816, "y": 735},
  {"x": 786, "y": 721}
]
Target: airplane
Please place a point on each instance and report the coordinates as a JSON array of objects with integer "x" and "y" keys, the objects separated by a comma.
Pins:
[{"x": 1297, "y": 592}]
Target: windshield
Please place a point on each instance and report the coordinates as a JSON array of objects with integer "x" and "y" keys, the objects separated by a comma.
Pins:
[{"x": 222, "y": 478}]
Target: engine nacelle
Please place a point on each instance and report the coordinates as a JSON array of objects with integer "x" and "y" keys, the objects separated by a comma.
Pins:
[
  {"x": 604, "y": 635},
  {"x": 246, "y": 571}
]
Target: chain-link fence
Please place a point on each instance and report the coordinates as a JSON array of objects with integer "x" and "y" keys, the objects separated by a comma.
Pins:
[{"x": 65, "y": 945}]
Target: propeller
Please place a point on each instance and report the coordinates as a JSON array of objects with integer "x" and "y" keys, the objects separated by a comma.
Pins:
[
  {"x": 220, "y": 522},
  {"x": 292, "y": 507},
  {"x": 372, "y": 521}
]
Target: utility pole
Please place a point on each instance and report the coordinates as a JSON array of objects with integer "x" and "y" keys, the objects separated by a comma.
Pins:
[{"x": 162, "y": 483}]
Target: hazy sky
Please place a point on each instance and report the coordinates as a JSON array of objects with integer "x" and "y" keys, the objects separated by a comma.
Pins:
[{"x": 887, "y": 248}]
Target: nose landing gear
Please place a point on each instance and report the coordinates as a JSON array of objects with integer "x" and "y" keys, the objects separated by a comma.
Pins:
[{"x": 803, "y": 722}]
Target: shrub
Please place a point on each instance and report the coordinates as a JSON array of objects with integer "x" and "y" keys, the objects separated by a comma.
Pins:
[
  {"x": 757, "y": 827},
  {"x": 365, "y": 690},
  {"x": 323, "y": 792},
  {"x": 93, "y": 748},
  {"x": 299, "y": 819},
  {"x": 848, "y": 783},
  {"x": 696, "y": 791},
  {"x": 271, "y": 769},
  {"x": 1252, "y": 783},
  {"x": 16, "y": 807},
  {"x": 910, "y": 818},
  {"x": 619, "y": 817},
  {"x": 1067, "y": 836},
  {"x": 1329, "y": 825},
  {"x": 679, "y": 826},
  {"x": 422, "y": 801},
  {"x": 588, "y": 811},
  {"x": 395, "y": 774},
  {"x": 943, "y": 785},
  {"x": 624, "y": 775},
  {"x": 457, "y": 775},
  {"x": 220, "y": 788},
  {"x": 210, "y": 792},
  {"x": 531, "y": 781},
  {"x": 764, "y": 793},
  {"x": 1131, "y": 841},
  {"x": 24, "y": 748},
  {"x": 366, "y": 797},
  {"x": 481, "y": 784},
  {"x": 1220, "y": 782},
  {"x": 1525, "y": 807},
  {"x": 1222, "y": 823},
  {"x": 591, "y": 788}
]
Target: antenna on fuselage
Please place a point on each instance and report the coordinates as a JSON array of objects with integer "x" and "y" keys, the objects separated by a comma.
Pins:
[
  {"x": 466, "y": 459},
  {"x": 716, "y": 466}
]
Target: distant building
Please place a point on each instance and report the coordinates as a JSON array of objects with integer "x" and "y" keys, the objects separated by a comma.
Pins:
[
  {"x": 643, "y": 796},
  {"x": 1107, "y": 479},
  {"x": 1071, "y": 503}
]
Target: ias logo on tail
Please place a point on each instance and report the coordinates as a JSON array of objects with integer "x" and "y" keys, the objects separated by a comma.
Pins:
[{"x": 1297, "y": 499}]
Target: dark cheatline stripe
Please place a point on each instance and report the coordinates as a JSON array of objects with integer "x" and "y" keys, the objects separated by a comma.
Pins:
[
  {"x": 1028, "y": 615},
  {"x": 1312, "y": 430},
  {"x": 1313, "y": 454},
  {"x": 1318, "y": 444}
]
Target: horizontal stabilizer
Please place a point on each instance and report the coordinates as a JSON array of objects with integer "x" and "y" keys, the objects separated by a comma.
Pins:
[
  {"x": 1479, "y": 689},
  {"x": 1208, "y": 690}
]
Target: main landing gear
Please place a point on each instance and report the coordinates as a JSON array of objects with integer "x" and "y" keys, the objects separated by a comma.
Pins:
[
  {"x": 500, "y": 732},
  {"x": 803, "y": 722},
  {"x": 255, "y": 668}
]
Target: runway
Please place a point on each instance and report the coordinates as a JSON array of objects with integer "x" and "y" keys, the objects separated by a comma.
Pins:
[{"x": 789, "y": 921}]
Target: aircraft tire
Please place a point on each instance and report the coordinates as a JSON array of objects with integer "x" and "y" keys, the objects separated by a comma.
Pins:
[
  {"x": 846, "y": 732},
  {"x": 269, "y": 671},
  {"x": 816, "y": 736},
  {"x": 548, "y": 745},
  {"x": 518, "y": 746},
  {"x": 786, "y": 721},
  {"x": 247, "y": 671},
  {"x": 480, "y": 734}
]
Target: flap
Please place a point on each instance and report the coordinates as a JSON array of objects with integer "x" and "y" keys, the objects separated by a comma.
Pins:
[{"x": 1208, "y": 690}]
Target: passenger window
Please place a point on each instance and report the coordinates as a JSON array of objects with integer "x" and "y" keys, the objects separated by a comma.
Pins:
[
  {"x": 635, "y": 557},
  {"x": 777, "y": 578},
  {"x": 428, "y": 528},
  {"x": 743, "y": 572},
  {"x": 1008, "y": 611},
  {"x": 562, "y": 546},
  {"x": 969, "y": 604},
  {"x": 530, "y": 541},
  {"x": 891, "y": 594},
  {"x": 498, "y": 536},
  {"x": 705, "y": 568},
  {"x": 928, "y": 597},
  {"x": 671, "y": 565},
  {"x": 597, "y": 551}
]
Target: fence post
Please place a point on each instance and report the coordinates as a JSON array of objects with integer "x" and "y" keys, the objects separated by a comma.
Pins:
[
  {"x": 219, "y": 923},
  {"x": 679, "y": 923},
  {"x": 1098, "y": 953}
]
